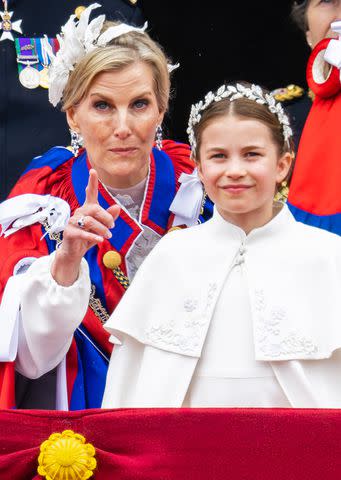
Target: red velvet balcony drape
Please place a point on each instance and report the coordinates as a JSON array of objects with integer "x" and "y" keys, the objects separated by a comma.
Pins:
[{"x": 197, "y": 444}]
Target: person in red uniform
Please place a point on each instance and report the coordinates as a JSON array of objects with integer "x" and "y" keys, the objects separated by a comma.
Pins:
[
  {"x": 108, "y": 202},
  {"x": 314, "y": 196}
]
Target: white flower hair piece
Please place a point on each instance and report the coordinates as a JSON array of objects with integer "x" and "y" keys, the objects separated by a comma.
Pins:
[
  {"x": 254, "y": 92},
  {"x": 77, "y": 38}
]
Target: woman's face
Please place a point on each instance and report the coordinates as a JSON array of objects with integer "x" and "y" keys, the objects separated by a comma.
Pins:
[
  {"x": 117, "y": 120},
  {"x": 320, "y": 14},
  {"x": 240, "y": 167}
]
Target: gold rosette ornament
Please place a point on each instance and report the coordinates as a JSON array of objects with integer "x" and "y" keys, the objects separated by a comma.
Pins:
[{"x": 66, "y": 456}]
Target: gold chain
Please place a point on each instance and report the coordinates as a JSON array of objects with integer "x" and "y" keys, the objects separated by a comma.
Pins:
[
  {"x": 203, "y": 203},
  {"x": 96, "y": 306},
  {"x": 123, "y": 279}
]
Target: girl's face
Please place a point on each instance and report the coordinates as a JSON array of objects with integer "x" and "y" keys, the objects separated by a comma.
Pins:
[
  {"x": 240, "y": 167},
  {"x": 320, "y": 14}
]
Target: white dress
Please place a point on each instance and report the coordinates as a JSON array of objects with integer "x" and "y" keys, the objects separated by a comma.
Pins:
[
  {"x": 227, "y": 374},
  {"x": 217, "y": 318}
]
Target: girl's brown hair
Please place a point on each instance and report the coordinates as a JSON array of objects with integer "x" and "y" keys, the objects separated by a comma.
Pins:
[{"x": 242, "y": 107}]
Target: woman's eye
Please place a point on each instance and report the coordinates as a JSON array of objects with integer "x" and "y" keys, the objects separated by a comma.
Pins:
[
  {"x": 101, "y": 105},
  {"x": 140, "y": 104},
  {"x": 218, "y": 155}
]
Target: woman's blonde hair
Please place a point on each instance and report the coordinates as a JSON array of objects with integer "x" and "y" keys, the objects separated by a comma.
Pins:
[{"x": 119, "y": 53}]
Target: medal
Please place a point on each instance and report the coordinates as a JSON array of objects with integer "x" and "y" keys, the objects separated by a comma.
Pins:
[
  {"x": 29, "y": 77},
  {"x": 26, "y": 57},
  {"x": 6, "y": 25},
  {"x": 44, "y": 77},
  {"x": 44, "y": 59},
  {"x": 32, "y": 51}
]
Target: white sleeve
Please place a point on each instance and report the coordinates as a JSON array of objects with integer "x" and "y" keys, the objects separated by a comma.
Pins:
[
  {"x": 49, "y": 315},
  {"x": 9, "y": 317}
]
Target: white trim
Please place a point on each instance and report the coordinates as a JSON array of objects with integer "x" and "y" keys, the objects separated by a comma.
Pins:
[
  {"x": 92, "y": 343},
  {"x": 318, "y": 68}
]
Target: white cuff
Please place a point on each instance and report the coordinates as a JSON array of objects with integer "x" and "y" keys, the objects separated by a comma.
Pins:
[{"x": 50, "y": 313}]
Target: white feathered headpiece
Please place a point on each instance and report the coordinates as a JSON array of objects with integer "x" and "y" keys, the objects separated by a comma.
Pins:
[{"x": 76, "y": 40}]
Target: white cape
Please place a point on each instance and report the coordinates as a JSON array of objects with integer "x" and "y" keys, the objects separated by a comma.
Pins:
[{"x": 294, "y": 280}]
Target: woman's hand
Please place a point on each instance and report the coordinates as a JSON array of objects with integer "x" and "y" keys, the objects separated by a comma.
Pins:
[{"x": 90, "y": 224}]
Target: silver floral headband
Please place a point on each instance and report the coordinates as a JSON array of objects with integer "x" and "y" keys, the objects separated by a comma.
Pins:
[
  {"x": 233, "y": 92},
  {"x": 76, "y": 40}
]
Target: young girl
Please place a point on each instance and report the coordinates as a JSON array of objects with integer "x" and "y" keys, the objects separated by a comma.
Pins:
[{"x": 243, "y": 311}]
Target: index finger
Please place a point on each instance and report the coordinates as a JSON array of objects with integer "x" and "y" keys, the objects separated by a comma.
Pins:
[{"x": 91, "y": 191}]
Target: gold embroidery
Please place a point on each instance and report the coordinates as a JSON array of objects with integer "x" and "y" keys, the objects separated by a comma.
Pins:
[{"x": 288, "y": 93}]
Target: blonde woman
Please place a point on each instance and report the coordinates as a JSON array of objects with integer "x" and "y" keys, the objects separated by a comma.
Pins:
[{"x": 104, "y": 206}]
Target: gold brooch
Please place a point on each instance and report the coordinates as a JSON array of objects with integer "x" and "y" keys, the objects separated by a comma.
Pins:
[
  {"x": 288, "y": 93},
  {"x": 66, "y": 455}
]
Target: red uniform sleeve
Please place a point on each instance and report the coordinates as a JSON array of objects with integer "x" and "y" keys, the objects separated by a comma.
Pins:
[{"x": 26, "y": 243}]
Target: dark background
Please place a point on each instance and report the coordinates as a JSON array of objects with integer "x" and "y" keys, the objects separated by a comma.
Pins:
[
  {"x": 214, "y": 41},
  {"x": 225, "y": 40}
]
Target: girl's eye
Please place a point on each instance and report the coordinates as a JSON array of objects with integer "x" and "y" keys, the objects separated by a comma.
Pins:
[
  {"x": 101, "y": 105},
  {"x": 252, "y": 154},
  {"x": 140, "y": 104}
]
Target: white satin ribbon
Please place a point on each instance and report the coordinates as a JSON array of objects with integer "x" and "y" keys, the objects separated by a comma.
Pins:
[
  {"x": 187, "y": 202},
  {"x": 61, "y": 387},
  {"x": 23, "y": 210},
  {"x": 332, "y": 54}
]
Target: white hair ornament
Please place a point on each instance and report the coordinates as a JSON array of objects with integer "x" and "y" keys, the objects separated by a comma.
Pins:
[
  {"x": 233, "y": 92},
  {"x": 77, "y": 38}
]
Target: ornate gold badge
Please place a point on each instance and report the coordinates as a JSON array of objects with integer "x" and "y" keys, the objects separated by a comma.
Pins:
[
  {"x": 7, "y": 25},
  {"x": 66, "y": 455},
  {"x": 288, "y": 93}
]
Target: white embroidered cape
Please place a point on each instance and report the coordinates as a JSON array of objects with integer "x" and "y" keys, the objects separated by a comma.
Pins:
[{"x": 294, "y": 284}]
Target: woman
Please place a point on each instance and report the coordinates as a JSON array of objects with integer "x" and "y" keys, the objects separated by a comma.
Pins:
[
  {"x": 246, "y": 324},
  {"x": 26, "y": 110},
  {"x": 314, "y": 18},
  {"x": 113, "y": 83}
]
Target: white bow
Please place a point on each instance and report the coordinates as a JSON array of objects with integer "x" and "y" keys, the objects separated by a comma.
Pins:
[
  {"x": 332, "y": 54},
  {"x": 23, "y": 210},
  {"x": 187, "y": 202}
]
